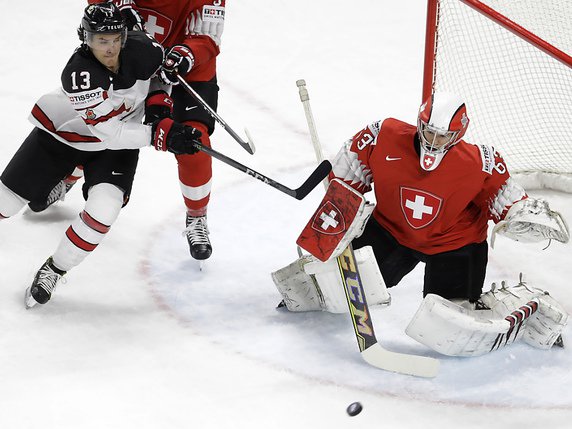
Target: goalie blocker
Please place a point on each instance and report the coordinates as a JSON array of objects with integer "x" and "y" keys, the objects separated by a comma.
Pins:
[
  {"x": 313, "y": 282},
  {"x": 341, "y": 217}
]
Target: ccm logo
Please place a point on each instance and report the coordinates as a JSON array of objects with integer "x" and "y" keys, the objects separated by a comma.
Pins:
[
  {"x": 160, "y": 139},
  {"x": 256, "y": 175}
]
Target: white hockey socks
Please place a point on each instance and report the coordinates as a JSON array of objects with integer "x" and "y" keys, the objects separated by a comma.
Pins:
[
  {"x": 103, "y": 205},
  {"x": 10, "y": 202}
]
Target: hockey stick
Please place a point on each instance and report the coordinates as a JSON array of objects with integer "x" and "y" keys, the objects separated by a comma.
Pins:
[
  {"x": 311, "y": 182},
  {"x": 370, "y": 349},
  {"x": 246, "y": 145},
  {"x": 305, "y": 99}
]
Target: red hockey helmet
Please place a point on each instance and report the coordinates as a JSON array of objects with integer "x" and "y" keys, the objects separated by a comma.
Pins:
[{"x": 441, "y": 124}]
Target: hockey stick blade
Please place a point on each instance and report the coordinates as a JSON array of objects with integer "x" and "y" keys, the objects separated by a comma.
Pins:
[
  {"x": 419, "y": 366},
  {"x": 246, "y": 145},
  {"x": 370, "y": 349},
  {"x": 319, "y": 174}
]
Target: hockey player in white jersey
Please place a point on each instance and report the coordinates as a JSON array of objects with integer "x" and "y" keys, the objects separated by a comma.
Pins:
[{"x": 107, "y": 108}]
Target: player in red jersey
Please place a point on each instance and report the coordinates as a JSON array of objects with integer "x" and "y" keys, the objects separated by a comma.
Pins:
[
  {"x": 435, "y": 194},
  {"x": 191, "y": 30}
]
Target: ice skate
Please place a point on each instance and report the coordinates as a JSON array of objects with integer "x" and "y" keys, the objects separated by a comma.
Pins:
[
  {"x": 57, "y": 194},
  {"x": 44, "y": 284},
  {"x": 197, "y": 234}
]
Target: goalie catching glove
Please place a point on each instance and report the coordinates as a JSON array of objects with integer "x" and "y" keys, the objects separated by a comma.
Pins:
[{"x": 531, "y": 220}]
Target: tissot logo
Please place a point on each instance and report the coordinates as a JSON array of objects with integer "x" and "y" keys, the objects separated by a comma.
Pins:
[
  {"x": 85, "y": 96},
  {"x": 420, "y": 208}
]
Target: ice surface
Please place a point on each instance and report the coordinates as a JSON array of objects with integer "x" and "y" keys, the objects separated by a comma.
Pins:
[{"x": 139, "y": 338}]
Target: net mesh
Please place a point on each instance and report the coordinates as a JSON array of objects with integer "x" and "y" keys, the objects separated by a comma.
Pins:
[{"x": 519, "y": 99}]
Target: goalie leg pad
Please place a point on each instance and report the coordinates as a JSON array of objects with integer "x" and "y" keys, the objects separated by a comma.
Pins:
[
  {"x": 328, "y": 278},
  {"x": 543, "y": 330},
  {"x": 299, "y": 291},
  {"x": 454, "y": 330},
  {"x": 544, "y": 326},
  {"x": 309, "y": 284}
]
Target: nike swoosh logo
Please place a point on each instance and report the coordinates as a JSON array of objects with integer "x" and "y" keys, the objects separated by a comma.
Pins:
[
  {"x": 389, "y": 158},
  {"x": 115, "y": 173},
  {"x": 190, "y": 108}
]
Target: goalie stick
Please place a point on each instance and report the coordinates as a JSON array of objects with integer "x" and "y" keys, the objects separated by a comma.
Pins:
[
  {"x": 370, "y": 349},
  {"x": 311, "y": 182},
  {"x": 246, "y": 145}
]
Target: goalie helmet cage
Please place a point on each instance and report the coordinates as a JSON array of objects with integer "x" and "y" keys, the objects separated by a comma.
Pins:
[{"x": 510, "y": 60}]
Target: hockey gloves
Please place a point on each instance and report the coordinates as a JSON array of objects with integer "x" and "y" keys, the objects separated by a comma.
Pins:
[
  {"x": 158, "y": 105},
  {"x": 132, "y": 18},
  {"x": 179, "y": 59},
  {"x": 179, "y": 139}
]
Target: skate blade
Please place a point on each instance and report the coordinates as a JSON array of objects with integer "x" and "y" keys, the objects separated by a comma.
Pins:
[{"x": 29, "y": 300}]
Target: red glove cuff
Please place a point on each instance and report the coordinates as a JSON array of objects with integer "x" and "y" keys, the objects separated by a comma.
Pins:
[
  {"x": 160, "y": 133},
  {"x": 159, "y": 98}
]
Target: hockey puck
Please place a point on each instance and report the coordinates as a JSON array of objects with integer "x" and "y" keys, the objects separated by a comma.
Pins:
[{"x": 354, "y": 409}]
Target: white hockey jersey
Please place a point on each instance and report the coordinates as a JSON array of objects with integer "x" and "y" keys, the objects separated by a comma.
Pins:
[{"x": 96, "y": 109}]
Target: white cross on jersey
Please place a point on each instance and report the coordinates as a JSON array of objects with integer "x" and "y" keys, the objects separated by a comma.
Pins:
[
  {"x": 329, "y": 220},
  {"x": 418, "y": 207},
  {"x": 152, "y": 28}
]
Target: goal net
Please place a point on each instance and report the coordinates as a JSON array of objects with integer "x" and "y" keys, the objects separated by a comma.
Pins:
[{"x": 511, "y": 62}]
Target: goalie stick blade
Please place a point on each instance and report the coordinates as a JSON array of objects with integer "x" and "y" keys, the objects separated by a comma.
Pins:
[
  {"x": 419, "y": 366},
  {"x": 319, "y": 174}
]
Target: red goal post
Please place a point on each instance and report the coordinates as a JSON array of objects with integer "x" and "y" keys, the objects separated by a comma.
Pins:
[{"x": 511, "y": 61}]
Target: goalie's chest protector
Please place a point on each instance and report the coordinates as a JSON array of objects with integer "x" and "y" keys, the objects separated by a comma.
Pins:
[{"x": 429, "y": 211}]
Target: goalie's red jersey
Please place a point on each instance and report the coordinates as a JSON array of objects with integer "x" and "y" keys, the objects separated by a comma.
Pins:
[{"x": 429, "y": 211}]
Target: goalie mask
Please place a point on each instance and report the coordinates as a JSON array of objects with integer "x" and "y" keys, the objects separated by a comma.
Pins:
[
  {"x": 441, "y": 124},
  {"x": 101, "y": 18}
]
